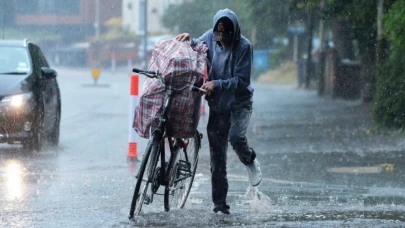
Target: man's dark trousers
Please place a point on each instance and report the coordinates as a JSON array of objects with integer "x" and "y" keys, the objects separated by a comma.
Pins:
[{"x": 222, "y": 127}]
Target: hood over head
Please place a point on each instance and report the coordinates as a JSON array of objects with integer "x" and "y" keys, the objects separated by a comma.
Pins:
[{"x": 231, "y": 16}]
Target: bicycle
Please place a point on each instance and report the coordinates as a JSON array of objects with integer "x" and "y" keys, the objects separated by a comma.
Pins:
[{"x": 176, "y": 175}]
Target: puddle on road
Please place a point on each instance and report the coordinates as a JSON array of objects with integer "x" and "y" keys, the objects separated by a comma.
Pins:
[
  {"x": 262, "y": 206},
  {"x": 302, "y": 188},
  {"x": 383, "y": 169}
]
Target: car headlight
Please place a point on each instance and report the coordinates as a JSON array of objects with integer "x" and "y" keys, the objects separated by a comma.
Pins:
[{"x": 17, "y": 100}]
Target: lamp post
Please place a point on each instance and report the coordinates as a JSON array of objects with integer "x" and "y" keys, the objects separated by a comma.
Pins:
[
  {"x": 144, "y": 6},
  {"x": 380, "y": 56},
  {"x": 95, "y": 61},
  {"x": 97, "y": 20}
]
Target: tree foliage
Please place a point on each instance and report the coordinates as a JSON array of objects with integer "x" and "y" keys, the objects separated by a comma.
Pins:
[
  {"x": 395, "y": 25},
  {"x": 260, "y": 20},
  {"x": 115, "y": 32},
  {"x": 265, "y": 20},
  {"x": 389, "y": 109},
  {"x": 194, "y": 17},
  {"x": 361, "y": 15}
]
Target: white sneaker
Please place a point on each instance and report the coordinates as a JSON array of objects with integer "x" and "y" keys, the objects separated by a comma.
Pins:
[{"x": 254, "y": 173}]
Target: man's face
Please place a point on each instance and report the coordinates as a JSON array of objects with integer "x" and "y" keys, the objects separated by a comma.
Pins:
[{"x": 224, "y": 32}]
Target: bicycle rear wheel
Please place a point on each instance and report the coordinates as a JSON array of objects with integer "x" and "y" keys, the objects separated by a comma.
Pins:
[
  {"x": 182, "y": 175},
  {"x": 145, "y": 177}
]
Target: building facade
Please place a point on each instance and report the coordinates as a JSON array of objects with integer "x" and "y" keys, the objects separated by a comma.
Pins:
[
  {"x": 133, "y": 15},
  {"x": 73, "y": 20}
]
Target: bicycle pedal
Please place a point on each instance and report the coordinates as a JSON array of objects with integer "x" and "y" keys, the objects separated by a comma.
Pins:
[
  {"x": 147, "y": 200},
  {"x": 184, "y": 166},
  {"x": 183, "y": 169}
]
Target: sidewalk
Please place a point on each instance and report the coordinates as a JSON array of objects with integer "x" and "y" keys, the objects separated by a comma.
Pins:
[{"x": 298, "y": 120}]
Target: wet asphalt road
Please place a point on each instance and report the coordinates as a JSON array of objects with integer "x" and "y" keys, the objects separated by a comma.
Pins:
[{"x": 322, "y": 164}]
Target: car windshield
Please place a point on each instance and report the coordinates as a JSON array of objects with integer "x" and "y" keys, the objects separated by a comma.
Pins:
[{"x": 14, "y": 60}]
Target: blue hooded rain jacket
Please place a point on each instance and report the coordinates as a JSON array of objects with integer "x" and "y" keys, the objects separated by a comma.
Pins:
[{"x": 230, "y": 68}]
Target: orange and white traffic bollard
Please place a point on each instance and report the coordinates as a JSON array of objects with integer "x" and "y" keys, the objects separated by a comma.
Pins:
[{"x": 132, "y": 149}]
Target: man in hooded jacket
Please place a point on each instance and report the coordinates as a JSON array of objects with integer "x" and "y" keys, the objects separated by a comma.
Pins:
[{"x": 229, "y": 96}]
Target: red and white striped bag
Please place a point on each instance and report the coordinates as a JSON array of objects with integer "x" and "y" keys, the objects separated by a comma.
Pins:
[{"x": 179, "y": 64}]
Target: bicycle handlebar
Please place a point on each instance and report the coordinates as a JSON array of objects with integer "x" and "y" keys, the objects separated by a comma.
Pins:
[
  {"x": 150, "y": 74},
  {"x": 153, "y": 74}
]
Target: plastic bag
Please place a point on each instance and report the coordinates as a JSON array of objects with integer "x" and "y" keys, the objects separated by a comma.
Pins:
[{"x": 180, "y": 65}]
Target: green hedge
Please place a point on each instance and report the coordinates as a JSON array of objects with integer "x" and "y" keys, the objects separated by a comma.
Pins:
[{"x": 389, "y": 108}]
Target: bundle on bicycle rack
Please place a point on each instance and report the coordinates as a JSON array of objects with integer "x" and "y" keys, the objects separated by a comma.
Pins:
[{"x": 180, "y": 65}]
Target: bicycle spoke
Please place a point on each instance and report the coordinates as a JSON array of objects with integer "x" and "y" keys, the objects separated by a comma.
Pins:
[
  {"x": 183, "y": 174},
  {"x": 141, "y": 195}
]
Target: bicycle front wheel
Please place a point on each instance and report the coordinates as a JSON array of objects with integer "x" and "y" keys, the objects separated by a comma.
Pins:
[
  {"x": 182, "y": 175},
  {"x": 145, "y": 177}
]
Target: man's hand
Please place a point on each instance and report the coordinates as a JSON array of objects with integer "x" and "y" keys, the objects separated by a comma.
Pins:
[
  {"x": 183, "y": 37},
  {"x": 209, "y": 87}
]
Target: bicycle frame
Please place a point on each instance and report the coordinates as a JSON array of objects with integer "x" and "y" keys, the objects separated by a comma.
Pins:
[
  {"x": 163, "y": 175},
  {"x": 160, "y": 132}
]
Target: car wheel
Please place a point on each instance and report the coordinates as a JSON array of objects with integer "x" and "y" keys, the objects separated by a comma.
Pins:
[
  {"x": 35, "y": 142},
  {"x": 54, "y": 135}
]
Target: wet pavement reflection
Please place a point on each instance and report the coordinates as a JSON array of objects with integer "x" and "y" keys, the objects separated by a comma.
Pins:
[
  {"x": 305, "y": 190},
  {"x": 379, "y": 169},
  {"x": 323, "y": 166}
]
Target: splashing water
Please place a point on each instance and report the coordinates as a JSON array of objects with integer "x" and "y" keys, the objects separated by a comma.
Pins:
[{"x": 261, "y": 203}]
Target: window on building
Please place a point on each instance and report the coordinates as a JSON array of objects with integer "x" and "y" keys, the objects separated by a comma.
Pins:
[{"x": 43, "y": 7}]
